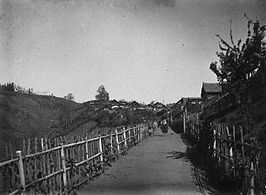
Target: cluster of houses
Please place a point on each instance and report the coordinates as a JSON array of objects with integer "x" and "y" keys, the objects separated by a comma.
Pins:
[
  {"x": 189, "y": 109},
  {"x": 113, "y": 105}
]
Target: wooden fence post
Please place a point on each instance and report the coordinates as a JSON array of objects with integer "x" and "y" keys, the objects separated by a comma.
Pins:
[
  {"x": 21, "y": 171},
  {"x": 252, "y": 179},
  {"x": 87, "y": 148},
  {"x": 43, "y": 165},
  {"x": 101, "y": 149},
  {"x": 219, "y": 136},
  {"x": 227, "y": 150},
  {"x": 234, "y": 138},
  {"x": 129, "y": 135},
  {"x": 35, "y": 160},
  {"x": 125, "y": 137},
  {"x": 117, "y": 141},
  {"x": 242, "y": 143},
  {"x": 141, "y": 131},
  {"x": 214, "y": 142},
  {"x": 63, "y": 162},
  {"x": 87, "y": 151}
]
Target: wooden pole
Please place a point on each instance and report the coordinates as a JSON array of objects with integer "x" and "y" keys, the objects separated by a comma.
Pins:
[
  {"x": 87, "y": 152},
  {"x": 43, "y": 159},
  {"x": 214, "y": 143},
  {"x": 35, "y": 159},
  {"x": 87, "y": 148},
  {"x": 234, "y": 148},
  {"x": 63, "y": 163},
  {"x": 50, "y": 168},
  {"x": 21, "y": 171},
  {"x": 125, "y": 137},
  {"x": 101, "y": 149},
  {"x": 218, "y": 141},
  {"x": 117, "y": 141},
  {"x": 129, "y": 135},
  {"x": 252, "y": 179},
  {"x": 57, "y": 166},
  {"x": 227, "y": 150}
]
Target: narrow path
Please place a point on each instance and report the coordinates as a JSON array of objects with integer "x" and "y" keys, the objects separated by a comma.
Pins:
[{"x": 157, "y": 165}]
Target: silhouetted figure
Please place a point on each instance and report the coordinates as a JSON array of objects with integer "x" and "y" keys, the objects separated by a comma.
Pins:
[{"x": 164, "y": 126}]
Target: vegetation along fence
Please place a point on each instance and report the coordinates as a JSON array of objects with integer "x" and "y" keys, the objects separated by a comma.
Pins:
[
  {"x": 240, "y": 158},
  {"x": 226, "y": 135},
  {"x": 61, "y": 167}
]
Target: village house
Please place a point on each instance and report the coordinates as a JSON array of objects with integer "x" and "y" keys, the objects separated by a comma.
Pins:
[
  {"x": 159, "y": 106},
  {"x": 210, "y": 91},
  {"x": 134, "y": 105},
  {"x": 149, "y": 107},
  {"x": 107, "y": 108},
  {"x": 189, "y": 105},
  {"x": 123, "y": 104},
  {"x": 115, "y": 104}
]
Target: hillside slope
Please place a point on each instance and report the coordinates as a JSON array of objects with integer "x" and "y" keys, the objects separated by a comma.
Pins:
[
  {"x": 24, "y": 116},
  {"x": 27, "y": 116}
]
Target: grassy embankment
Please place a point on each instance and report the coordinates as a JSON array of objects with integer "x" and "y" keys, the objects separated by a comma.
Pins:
[{"x": 24, "y": 116}]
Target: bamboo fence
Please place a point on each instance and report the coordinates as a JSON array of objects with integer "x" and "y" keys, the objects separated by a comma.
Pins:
[
  {"x": 58, "y": 167},
  {"x": 239, "y": 157}
]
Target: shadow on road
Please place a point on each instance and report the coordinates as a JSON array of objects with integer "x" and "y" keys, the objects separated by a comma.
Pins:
[
  {"x": 158, "y": 136},
  {"x": 208, "y": 178},
  {"x": 178, "y": 155}
]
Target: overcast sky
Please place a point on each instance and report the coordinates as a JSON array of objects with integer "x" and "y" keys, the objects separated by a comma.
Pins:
[{"x": 140, "y": 50}]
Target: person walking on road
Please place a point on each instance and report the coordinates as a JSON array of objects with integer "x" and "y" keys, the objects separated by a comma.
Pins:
[
  {"x": 150, "y": 128},
  {"x": 164, "y": 127}
]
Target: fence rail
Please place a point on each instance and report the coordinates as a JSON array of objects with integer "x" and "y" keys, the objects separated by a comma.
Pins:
[{"x": 63, "y": 167}]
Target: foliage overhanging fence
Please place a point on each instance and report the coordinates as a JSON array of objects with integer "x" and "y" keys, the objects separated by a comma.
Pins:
[{"x": 63, "y": 167}]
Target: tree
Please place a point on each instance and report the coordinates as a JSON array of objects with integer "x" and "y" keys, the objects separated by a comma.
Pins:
[
  {"x": 70, "y": 96},
  {"x": 240, "y": 66},
  {"x": 242, "y": 72},
  {"x": 102, "y": 94},
  {"x": 8, "y": 87}
]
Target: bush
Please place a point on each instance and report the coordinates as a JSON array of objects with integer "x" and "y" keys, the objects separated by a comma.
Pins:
[{"x": 177, "y": 126}]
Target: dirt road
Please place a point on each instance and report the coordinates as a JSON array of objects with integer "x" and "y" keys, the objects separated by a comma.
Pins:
[{"x": 154, "y": 166}]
